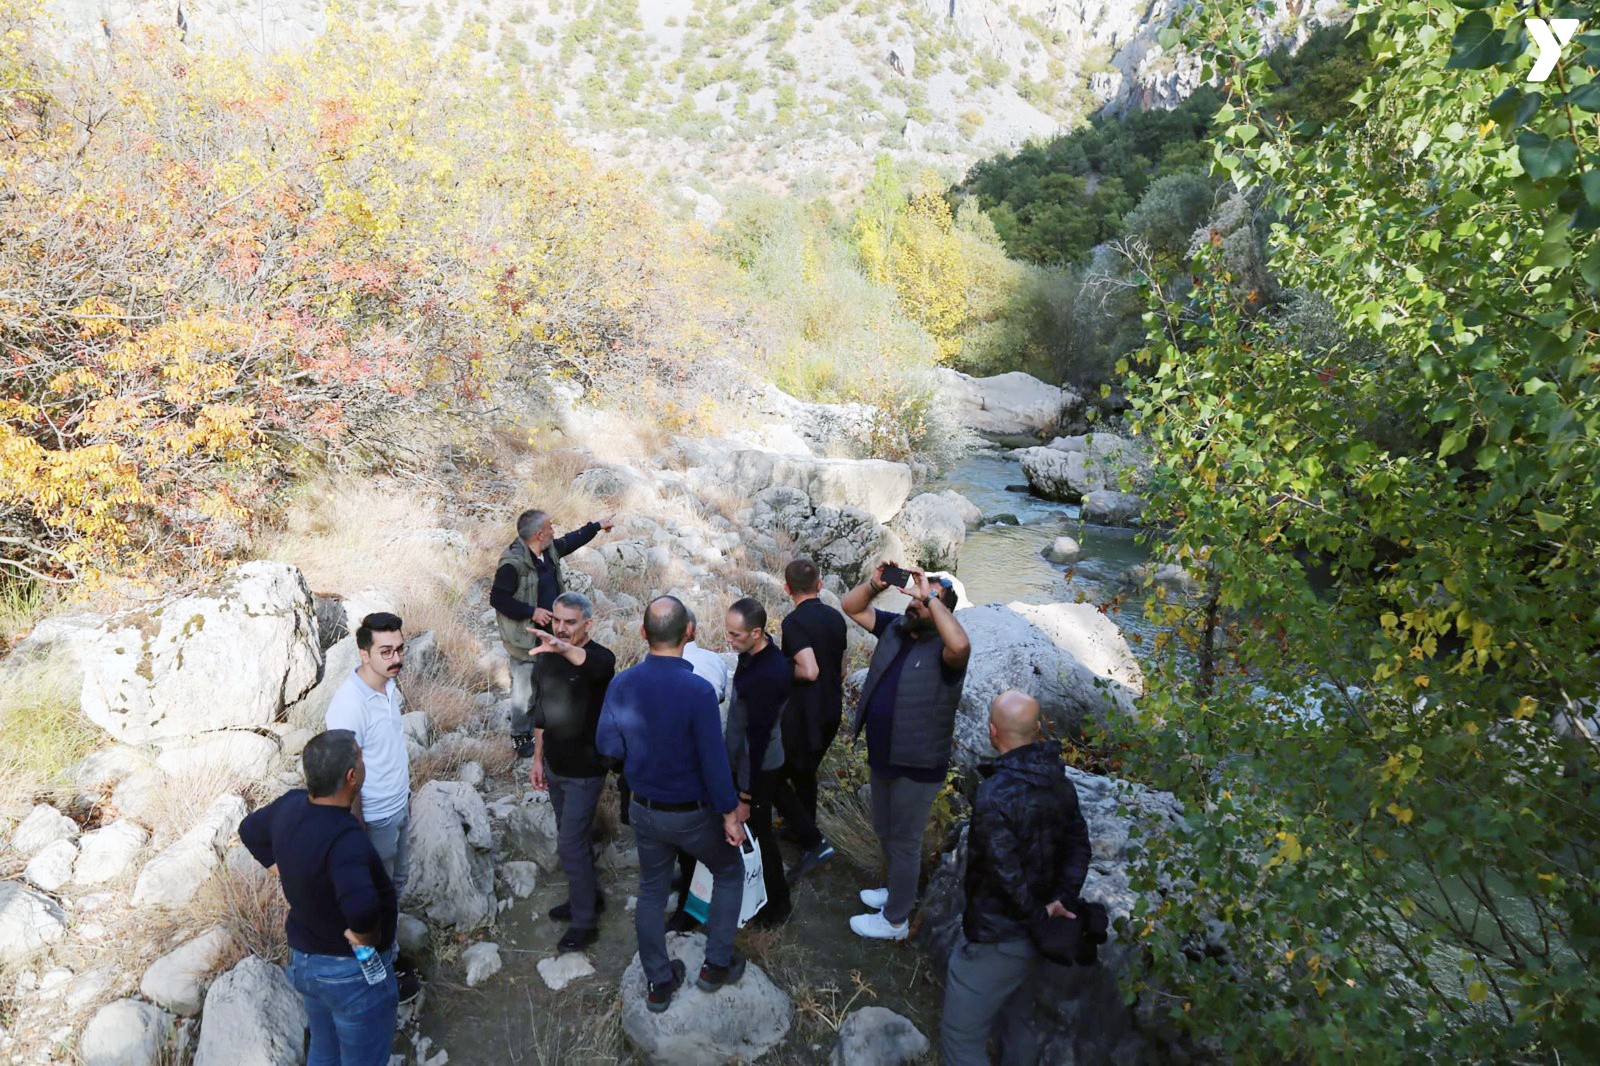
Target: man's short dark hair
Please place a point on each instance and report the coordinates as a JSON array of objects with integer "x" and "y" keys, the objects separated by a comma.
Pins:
[
  {"x": 666, "y": 622},
  {"x": 751, "y": 612},
  {"x": 801, "y": 575},
  {"x": 947, "y": 594},
  {"x": 529, "y": 523},
  {"x": 327, "y": 758},
  {"x": 376, "y": 622}
]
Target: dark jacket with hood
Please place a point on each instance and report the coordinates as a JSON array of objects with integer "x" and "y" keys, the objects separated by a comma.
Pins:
[{"x": 1027, "y": 844}]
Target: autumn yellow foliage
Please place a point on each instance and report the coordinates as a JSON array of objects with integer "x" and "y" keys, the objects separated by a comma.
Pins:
[{"x": 211, "y": 262}]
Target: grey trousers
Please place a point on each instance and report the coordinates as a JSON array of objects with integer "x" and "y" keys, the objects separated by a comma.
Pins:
[
  {"x": 575, "y": 799},
  {"x": 521, "y": 696},
  {"x": 900, "y": 809},
  {"x": 391, "y": 839},
  {"x": 984, "y": 981},
  {"x": 660, "y": 834}
]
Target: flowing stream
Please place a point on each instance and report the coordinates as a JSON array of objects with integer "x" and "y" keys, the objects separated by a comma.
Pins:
[{"x": 1003, "y": 562}]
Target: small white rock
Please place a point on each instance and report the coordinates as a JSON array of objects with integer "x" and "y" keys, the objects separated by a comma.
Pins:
[
  {"x": 483, "y": 962},
  {"x": 521, "y": 877},
  {"x": 52, "y": 867},
  {"x": 562, "y": 970}
]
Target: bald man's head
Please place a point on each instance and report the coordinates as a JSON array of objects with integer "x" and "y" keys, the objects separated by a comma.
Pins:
[
  {"x": 666, "y": 623},
  {"x": 1013, "y": 720}
]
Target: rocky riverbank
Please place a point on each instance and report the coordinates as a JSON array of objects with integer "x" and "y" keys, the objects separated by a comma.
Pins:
[{"x": 134, "y": 929}]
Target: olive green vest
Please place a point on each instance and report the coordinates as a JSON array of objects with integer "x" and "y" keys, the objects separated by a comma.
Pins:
[{"x": 514, "y": 631}]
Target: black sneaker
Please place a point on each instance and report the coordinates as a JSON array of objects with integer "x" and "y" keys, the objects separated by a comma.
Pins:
[
  {"x": 682, "y": 922},
  {"x": 811, "y": 859},
  {"x": 523, "y": 743},
  {"x": 714, "y": 977},
  {"x": 409, "y": 983},
  {"x": 576, "y": 939},
  {"x": 562, "y": 912},
  {"x": 659, "y": 997}
]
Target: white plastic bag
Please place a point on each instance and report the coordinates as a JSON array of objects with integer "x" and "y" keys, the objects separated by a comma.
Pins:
[{"x": 698, "y": 905}]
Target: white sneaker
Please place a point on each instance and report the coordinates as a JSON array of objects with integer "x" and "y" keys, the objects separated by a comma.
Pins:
[
  {"x": 876, "y": 898},
  {"x": 875, "y": 926}
]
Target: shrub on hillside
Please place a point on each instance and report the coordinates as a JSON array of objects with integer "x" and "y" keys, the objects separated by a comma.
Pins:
[{"x": 238, "y": 261}]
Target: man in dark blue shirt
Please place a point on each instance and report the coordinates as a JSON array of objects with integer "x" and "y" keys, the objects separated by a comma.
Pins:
[
  {"x": 761, "y": 686},
  {"x": 340, "y": 899},
  {"x": 662, "y": 722}
]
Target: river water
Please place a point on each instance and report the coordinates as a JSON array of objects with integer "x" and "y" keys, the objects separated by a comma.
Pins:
[
  {"x": 514, "y": 1018},
  {"x": 1002, "y": 563}
]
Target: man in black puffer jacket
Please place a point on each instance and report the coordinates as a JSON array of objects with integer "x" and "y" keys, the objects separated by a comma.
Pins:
[{"x": 1027, "y": 854}]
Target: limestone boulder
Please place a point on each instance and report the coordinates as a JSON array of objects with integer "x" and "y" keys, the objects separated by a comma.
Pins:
[
  {"x": 1074, "y": 662},
  {"x": 253, "y": 1017},
  {"x": 1062, "y": 550},
  {"x": 1072, "y": 467},
  {"x": 127, "y": 1032},
  {"x": 452, "y": 866},
  {"x": 933, "y": 527},
  {"x": 104, "y": 854},
  {"x": 178, "y": 980},
  {"x": 1006, "y": 405},
  {"x": 233, "y": 754},
  {"x": 43, "y": 826},
  {"x": 845, "y": 542},
  {"x": 482, "y": 962},
  {"x": 232, "y": 657},
  {"x": 52, "y": 867},
  {"x": 875, "y": 487},
  {"x": 737, "y": 1022},
  {"x": 341, "y": 660},
  {"x": 29, "y": 922},
  {"x": 531, "y": 831},
  {"x": 173, "y": 877},
  {"x": 1108, "y": 507},
  {"x": 877, "y": 1036}
]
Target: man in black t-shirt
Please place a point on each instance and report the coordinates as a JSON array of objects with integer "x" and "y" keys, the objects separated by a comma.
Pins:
[
  {"x": 571, "y": 674},
  {"x": 814, "y": 641}
]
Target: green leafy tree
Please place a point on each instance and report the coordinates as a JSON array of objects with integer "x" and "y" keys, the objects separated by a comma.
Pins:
[{"x": 1379, "y": 718}]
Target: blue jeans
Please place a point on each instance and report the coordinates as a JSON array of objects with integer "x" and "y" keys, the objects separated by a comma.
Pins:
[
  {"x": 352, "y": 1023},
  {"x": 659, "y": 835}
]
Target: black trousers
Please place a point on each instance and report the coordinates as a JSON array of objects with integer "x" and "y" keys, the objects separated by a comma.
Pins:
[
  {"x": 760, "y": 827},
  {"x": 795, "y": 795}
]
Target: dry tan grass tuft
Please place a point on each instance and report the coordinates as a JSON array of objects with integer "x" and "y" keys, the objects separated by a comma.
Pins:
[
  {"x": 248, "y": 903},
  {"x": 847, "y": 823},
  {"x": 174, "y": 809},
  {"x": 459, "y": 651},
  {"x": 448, "y": 707},
  {"x": 443, "y": 761}
]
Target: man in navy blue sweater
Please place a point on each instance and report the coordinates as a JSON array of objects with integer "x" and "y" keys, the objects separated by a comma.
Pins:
[
  {"x": 662, "y": 723},
  {"x": 339, "y": 897}
]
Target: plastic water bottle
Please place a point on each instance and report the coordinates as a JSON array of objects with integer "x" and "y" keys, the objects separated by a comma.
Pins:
[{"x": 371, "y": 964}]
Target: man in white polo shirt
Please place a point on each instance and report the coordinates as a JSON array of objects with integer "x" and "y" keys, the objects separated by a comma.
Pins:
[{"x": 368, "y": 705}]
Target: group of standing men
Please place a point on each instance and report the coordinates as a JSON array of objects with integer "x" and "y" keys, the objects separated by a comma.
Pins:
[{"x": 694, "y": 782}]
